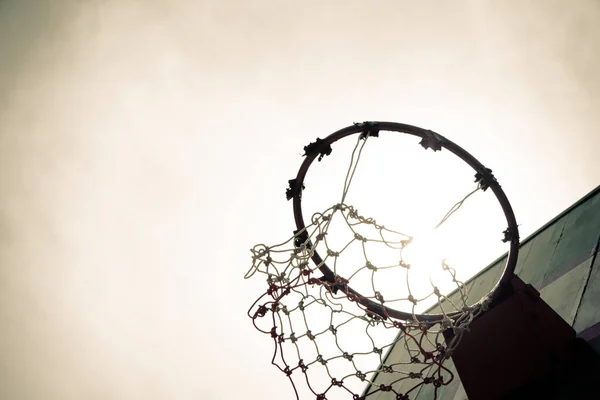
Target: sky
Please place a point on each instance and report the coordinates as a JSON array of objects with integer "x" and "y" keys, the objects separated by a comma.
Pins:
[{"x": 145, "y": 147}]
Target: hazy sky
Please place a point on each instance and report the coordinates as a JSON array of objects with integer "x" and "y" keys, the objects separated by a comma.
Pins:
[{"x": 145, "y": 146}]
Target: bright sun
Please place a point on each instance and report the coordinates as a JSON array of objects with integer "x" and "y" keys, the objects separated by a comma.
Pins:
[{"x": 426, "y": 255}]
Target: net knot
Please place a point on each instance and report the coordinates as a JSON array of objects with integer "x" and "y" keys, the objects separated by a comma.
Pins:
[
  {"x": 446, "y": 323},
  {"x": 341, "y": 280},
  {"x": 370, "y": 266},
  {"x": 385, "y": 388},
  {"x": 360, "y": 375},
  {"x": 359, "y": 237},
  {"x": 272, "y": 289},
  {"x": 403, "y": 264},
  {"x": 412, "y": 299},
  {"x": 314, "y": 281},
  {"x": 302, "y": 366},
  {"x": 398, "y": 324},
  {"x": 379, "y": 297},
  {"x": 261, "y": 312}
]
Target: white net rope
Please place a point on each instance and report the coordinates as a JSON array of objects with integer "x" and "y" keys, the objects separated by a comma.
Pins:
[{"x": 334, "y": 339}]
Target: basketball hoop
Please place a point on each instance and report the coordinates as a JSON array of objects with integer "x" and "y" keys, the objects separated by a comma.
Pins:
[{"x": 306, "y": 285}]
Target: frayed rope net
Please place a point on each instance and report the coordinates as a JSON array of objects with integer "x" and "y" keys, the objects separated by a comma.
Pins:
[{"x": 335, "y": 340}]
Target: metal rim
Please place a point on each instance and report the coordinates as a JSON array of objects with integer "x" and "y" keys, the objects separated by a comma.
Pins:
[{"x": 430, "y": 140}]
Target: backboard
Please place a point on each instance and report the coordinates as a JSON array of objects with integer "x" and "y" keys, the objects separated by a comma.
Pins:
[{"x": 560, "y": 261}]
